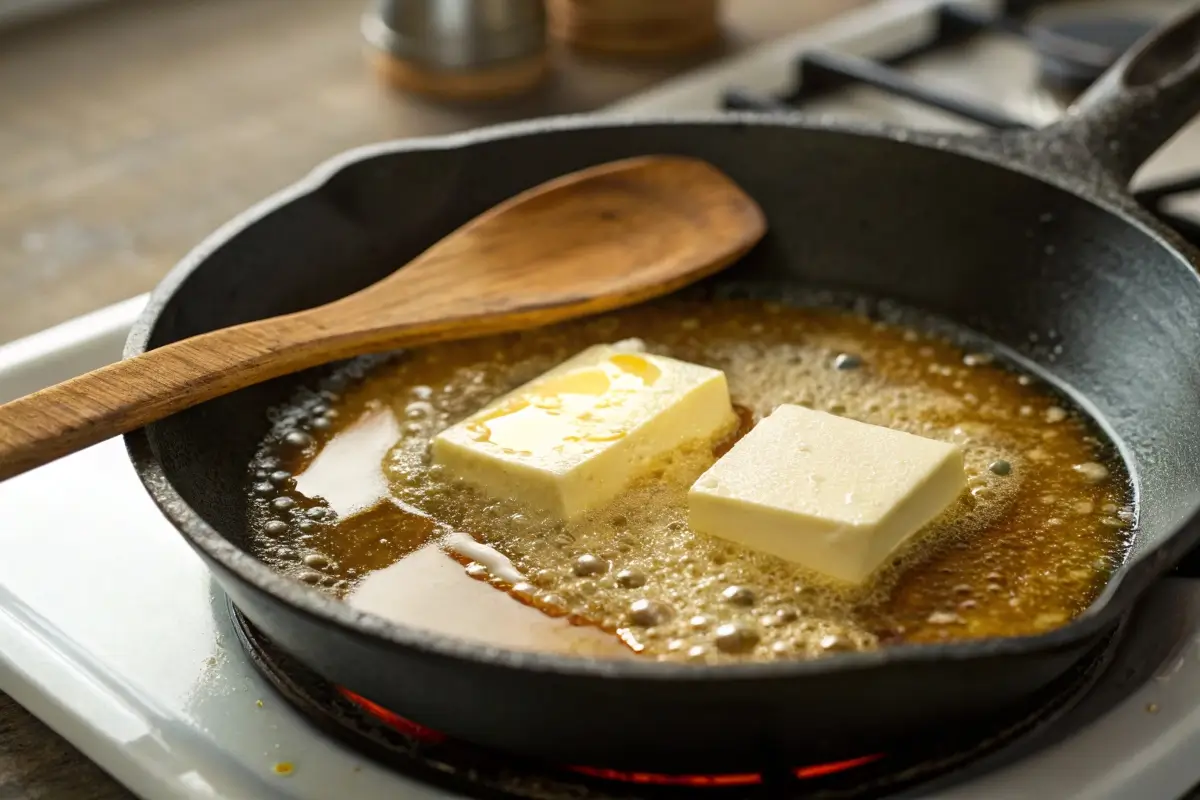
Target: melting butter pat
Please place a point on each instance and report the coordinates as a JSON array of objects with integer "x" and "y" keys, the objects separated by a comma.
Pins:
[
  {"x": 574, "y": 437},
  {"x": 832, "y": 494}
]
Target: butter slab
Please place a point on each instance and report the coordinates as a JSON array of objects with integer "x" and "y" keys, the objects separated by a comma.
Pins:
[
  {"x": 832, "y": 494},
  {"x": 573, "y": 438}
]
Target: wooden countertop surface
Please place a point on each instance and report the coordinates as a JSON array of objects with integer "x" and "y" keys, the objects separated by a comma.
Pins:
[{"x": 131, "y": 129}]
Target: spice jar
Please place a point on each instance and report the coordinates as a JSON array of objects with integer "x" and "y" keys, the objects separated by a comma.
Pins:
[
  {"x": 458, "y": 49},
  {"x": 635, "y": 27}
]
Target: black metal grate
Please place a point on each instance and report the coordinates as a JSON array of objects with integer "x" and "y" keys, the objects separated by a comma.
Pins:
[
  {"x": 1068, "y": 62},
  {"x": 820, "y": 72}
]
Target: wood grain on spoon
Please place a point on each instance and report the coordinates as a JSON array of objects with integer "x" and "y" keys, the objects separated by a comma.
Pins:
[{"x": 594, "y": 240}]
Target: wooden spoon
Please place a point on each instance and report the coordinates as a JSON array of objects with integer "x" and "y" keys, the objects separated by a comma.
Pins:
[{"x": 605, "y": 237}]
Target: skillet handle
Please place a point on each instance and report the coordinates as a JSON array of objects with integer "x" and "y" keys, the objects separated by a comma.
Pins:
[{"x": 1142, "y": 101}]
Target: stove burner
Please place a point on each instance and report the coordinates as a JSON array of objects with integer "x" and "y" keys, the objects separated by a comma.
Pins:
[
  {"x": 430, "y": 756},
  {"x": 1074, "y": 52}
]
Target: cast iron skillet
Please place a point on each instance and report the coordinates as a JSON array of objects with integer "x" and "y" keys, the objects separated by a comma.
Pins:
[{"x": 1019, "y": 234}]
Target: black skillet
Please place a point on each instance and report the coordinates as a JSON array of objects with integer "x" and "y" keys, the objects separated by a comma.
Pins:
[{"x": 1015, "y": 235}]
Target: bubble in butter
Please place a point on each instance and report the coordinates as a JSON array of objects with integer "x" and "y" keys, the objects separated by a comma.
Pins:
[{"x": 574, "y": 437}]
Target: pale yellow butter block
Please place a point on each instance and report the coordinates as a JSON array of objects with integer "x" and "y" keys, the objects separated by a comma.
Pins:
[
  {"x": 574, "y": 437},
  {"x": 832, "y": 494}
]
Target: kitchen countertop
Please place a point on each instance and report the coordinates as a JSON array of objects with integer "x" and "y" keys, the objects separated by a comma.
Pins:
[{"x": 130, "y": 129}]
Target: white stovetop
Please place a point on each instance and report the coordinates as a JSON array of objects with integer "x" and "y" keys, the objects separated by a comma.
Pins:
[{"x": 113, "y": 634}]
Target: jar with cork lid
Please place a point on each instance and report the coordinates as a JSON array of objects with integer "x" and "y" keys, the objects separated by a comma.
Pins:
[{"x": 636, "y": 27}]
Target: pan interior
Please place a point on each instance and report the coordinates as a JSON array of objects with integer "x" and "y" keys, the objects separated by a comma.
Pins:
[
  {"x": 1046, "y": 518},
  {"x": 1066, "y": 286}
]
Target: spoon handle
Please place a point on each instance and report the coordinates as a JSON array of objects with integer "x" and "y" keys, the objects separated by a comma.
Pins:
[{"x": 126, "y": 395}]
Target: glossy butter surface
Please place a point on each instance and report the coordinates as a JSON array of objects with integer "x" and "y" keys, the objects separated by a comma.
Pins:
[
  {"x": 833, "y": 494},
  {"x": 574, "y": 437}
]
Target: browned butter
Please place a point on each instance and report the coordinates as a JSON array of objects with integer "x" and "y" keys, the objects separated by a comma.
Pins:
[{"x": 344, "y": 497}]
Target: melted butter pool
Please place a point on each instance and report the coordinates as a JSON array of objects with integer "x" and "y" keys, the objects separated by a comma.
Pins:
[{"x": 1047, "y": 516}]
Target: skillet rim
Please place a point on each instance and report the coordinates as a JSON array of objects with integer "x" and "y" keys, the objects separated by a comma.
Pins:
[{"x": 1023, "y": 153}]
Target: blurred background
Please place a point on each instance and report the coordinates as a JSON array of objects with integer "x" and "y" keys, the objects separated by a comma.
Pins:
[{"x": 130, "y": 129}]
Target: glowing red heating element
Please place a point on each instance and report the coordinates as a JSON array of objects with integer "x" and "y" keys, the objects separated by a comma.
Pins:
[
  {"x": 821, "y": 770},
  {"x": 655, "y": 779},
  {"x": 404, "y": 726},
  {"x": 735, "y": 779},
  {"x": 428, "y": 735}
]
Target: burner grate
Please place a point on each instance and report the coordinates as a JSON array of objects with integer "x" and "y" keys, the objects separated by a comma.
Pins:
[
  {"x": 820, "y": 72},
  {"x": 1072, "y": 53},
  {"x": 427, "y": 755},
  {"x": 1071, "y": 57}
]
